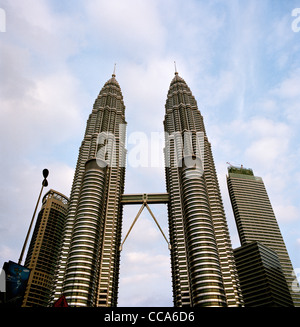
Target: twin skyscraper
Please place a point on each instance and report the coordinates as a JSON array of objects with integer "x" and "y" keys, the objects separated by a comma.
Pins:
[{"x": 203, "y": 267}]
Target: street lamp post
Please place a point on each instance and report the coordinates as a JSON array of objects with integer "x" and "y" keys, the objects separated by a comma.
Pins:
[{"x": 44, "y": 184}]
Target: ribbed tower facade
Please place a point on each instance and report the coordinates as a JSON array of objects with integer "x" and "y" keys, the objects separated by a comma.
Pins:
[
  {"x": 203, "y": 269},
  {"x": 43, "y": 251},
  {"x": 256, "y": 221},
  {"x": 88, "y": 271}
]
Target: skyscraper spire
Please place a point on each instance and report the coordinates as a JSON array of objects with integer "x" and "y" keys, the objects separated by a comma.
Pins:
[
  {"x": 89, "y": 265},
  {"x": 114, "y": 73},
  {"x": 203, "y": 270}
]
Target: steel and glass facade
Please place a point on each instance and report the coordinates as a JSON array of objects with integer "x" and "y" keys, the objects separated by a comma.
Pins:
[
  {"x": 255, "y": 218},
  {"x": 88, "y": 271},
  {"x": 203, "y": 268},
  {"x": 261, "y": 277},
  {"x": 44, "y": 249}
]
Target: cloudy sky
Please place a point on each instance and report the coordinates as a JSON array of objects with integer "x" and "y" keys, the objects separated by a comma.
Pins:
[{"x": 241, "y": 60}]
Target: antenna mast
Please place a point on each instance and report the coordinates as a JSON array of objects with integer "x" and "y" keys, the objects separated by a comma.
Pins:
[{"x": 176, "y": 72}]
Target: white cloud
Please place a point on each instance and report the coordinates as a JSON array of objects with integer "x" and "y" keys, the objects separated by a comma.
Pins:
[
  {"x": 41, "y": 99},
  {"x": 145, "y": 104},
  {"x": 266, "y": 151},
  {"x": 216, "y": 90},
  {"x": 39, "y": 120},
  {"x": 143, "y": 279},
  {"x": 145, "y": 260},
  {"x": 289, "y": 87},
  {"x": 57, "y": 109},
  {"x": 35, "y": 13},
  {"x": 43, "y": 33},
  {"x": 287, "y": 93},
  {"x": 258, "y": 141},
  {"x": 261, "y": 126},
  {"x": 280, "y": 34},
  {"x": 133, "y": 26},
  {"x": 286, "y": 213}
]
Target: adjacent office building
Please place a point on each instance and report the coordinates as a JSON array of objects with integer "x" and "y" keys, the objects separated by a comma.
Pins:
[
  {"x": 256, "y": 220},
  {"x": 261, "y": 277},
  {"x": 44, "y": 249}
]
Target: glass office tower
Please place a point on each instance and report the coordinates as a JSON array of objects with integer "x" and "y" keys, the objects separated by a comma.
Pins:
[
  {"x": 255, "y": 218},
  {"x": 44, "y": 249},
  {"x": 261, "y": 277}
]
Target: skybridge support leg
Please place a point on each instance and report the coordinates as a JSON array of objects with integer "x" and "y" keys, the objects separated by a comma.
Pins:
[
  {"x": 144, "y": 204},
  {"x": 135, "y": 220},
  {"x": 151, "y": 213}
]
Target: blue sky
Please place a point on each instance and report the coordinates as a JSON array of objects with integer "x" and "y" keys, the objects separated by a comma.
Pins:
[{"x": 240, "y": 59}]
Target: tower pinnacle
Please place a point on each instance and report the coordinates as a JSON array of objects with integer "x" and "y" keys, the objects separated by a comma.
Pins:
[
  {"x": 176, "y": 72},
  {"x": 114, "y": 73}
]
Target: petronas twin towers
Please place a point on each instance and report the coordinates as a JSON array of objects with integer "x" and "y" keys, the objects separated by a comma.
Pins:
[{"x": 203, "y": 268}]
